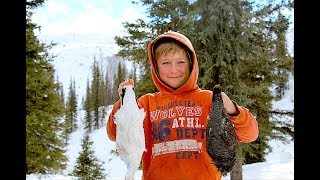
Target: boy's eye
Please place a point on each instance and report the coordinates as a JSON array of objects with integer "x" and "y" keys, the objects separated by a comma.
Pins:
[{"x": 181, "y": 62}]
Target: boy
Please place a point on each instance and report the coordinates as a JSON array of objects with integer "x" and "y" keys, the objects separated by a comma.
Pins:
[{"x": 176, "y": 116}]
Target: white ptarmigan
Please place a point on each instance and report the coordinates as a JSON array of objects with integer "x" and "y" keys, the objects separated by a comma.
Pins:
[{"x": 130, "y": 141}]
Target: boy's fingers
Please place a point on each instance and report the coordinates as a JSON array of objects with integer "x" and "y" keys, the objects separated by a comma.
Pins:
[
  {"x": 127, "y": 82},
  {"x": 131, "y": 82}
]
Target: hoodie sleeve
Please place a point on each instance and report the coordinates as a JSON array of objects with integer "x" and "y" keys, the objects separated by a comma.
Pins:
[
  {"x": 245, "y": 125},
  {"x": 111, "y": 126}
]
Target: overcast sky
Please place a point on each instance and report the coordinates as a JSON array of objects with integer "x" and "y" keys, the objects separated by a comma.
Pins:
[{"x": 61, "y": 17}]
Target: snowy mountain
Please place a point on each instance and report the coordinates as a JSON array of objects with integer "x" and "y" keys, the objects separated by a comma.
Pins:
[{"x": 75, "y": 56}]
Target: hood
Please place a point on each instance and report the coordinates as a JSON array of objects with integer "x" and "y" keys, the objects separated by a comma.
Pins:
[{"x": 191, "y": 83}]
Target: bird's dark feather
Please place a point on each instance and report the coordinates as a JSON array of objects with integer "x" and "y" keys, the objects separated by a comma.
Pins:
[{"x": 220, "y": 134}]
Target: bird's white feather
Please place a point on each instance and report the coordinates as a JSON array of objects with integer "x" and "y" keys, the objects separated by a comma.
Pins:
[{"x": 130, "y": 140}]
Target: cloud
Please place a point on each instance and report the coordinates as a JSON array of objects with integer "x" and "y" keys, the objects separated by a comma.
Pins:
[
  {"x": 54, "y": 8},
  {"x": 85, "y": 17}
]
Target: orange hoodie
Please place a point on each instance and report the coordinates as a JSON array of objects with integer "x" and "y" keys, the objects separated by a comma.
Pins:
[{"x": 175, "y": 125}]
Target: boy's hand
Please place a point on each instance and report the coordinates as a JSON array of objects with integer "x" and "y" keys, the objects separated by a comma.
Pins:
[
  {"x": 228, "y": 104},
  {"x": 126, "y": 82}
]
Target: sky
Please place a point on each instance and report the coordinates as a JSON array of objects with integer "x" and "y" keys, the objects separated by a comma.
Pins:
[
  {"x": 89, "y": 23},
  {"x": 83, "y": 28},
  {"x": 60, "y": 17},
  {"x": 279, "y": 163}
]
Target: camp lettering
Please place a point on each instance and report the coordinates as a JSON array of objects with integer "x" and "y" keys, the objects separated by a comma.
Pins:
[
  {"x": 178, "y": 122},
  {"x": 161, "y": 131},
  {"x": 175, "y": 112},
  {"x": 176, "y": 103},
  {"x": 187, "y": 155},
  {"x": 180, "y": 147},
  {"x": 189, "y": 122}
]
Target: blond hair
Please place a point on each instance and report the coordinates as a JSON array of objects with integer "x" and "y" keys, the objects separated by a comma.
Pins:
[{"x": 166, "y": 47}]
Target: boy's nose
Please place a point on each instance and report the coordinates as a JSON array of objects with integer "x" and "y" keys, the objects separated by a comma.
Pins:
[{"x": 173, "y": 67}]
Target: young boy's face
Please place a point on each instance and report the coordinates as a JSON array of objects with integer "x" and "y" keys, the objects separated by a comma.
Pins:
[{"x": 174, "y": 68}]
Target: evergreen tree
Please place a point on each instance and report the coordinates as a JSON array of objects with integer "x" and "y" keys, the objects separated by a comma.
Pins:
[
  {"x": 109, "y": 88},
  {"x": 88, "y": 109},
  {"x": 71, "y": 108},
  {"x": 102, "y": 97},
  {"x": 64, "y": 133},
  {"x": 61, "y": 92},
  {"x": 119, "y": 77},
  {"x": 283, "y": 59},
  {"x": 87, "y": 165},
  {"x": 95, "y": 84},
  {"x": 169, "y": 15},
  {"x": 102, "y": 86},
  {"x": 133, "y": 73},
  {"x": 102, "y": 92},
  {"x": 44, "y": 107},
  {"x": 235, "y": 49},
  {"x": 133, "y": 47}
]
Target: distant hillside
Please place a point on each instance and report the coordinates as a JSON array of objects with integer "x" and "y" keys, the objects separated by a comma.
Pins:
[{"x": 75, "y": 61}]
